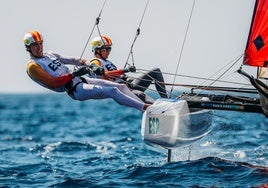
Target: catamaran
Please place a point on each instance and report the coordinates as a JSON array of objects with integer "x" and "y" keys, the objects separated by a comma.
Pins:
[
  {"x": 188, "y": 117},
  {"x": 182, "y": 121}
]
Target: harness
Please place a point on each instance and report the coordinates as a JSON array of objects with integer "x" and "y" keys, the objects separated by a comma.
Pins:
[{"x": 70, "y": 87}]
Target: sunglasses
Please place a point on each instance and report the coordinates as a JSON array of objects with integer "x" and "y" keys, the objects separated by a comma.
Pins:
[
  {"x": 106, "y": 49},
  {"x": 37, "y": 43}
]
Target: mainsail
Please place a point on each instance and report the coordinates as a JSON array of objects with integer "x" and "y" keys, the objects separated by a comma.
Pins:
[{"x": 256, "y": 53}]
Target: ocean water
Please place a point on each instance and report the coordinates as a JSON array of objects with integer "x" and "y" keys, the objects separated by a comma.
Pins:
[{"x": 50, "y": 140}]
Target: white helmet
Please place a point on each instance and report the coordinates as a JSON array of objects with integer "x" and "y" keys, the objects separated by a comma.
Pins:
[
  {"x": 32, "y": 37},
  {"x": 98, "y": 42}
]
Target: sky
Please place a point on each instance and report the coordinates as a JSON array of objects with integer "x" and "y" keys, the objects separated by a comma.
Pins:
[{"x": 216, "y": 34}]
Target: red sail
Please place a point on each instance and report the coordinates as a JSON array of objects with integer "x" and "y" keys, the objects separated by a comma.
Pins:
[{"x": 256, "y": 53}]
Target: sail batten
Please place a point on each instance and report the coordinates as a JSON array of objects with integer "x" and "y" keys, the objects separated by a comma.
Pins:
[{"x": 256, "y": 53}]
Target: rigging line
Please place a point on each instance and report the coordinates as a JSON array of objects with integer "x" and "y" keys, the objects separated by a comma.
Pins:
[
  {"x": 184, "y": 40},
  {"x": 219, "y": 76},
  {"x": 235, "y": 61},
  {"x": 153, "y": 81},
  {"x": 225, "y": 71},
  {"x": 156, "y": 82},
  {"x": 195, "y": 77},
  {"x": 136, "y": 36},
  {"x": 215, "y": 88},
  {"x": 96, "y": 24},
  {"x": 100, "y": 34},
  {"x": 140, "y": 86},
  {"x": 203, "y": 87}
]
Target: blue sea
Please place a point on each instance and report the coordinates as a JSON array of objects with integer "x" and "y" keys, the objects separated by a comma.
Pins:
[{"x": 50, "y": 140}]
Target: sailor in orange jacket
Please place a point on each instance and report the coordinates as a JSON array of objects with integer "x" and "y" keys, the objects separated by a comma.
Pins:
[
  {"x": 50, "y": 71},
  {"x": 101, "y": 47}
]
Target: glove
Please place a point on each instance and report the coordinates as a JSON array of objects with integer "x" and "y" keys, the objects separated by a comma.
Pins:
[
  {"x": 99, "y": 71},
  {"x": 130, "y": 69},
  {"x": 80, "y": 71}
]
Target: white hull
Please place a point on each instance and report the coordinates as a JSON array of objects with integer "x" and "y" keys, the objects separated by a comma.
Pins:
[{"x": 170, "y": 123}]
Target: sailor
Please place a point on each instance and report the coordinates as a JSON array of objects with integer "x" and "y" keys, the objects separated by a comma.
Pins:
[
  {"x": 50, "y": 70},
  {"x": 101, "y": 47}
]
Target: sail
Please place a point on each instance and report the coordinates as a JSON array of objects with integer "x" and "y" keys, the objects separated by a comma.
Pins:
[{"x": 256, "y": 53}]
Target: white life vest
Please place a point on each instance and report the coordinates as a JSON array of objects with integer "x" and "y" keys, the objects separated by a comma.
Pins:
[
  {"x": 53, "y": 66},
  {"x": 107, "y": 66}
]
